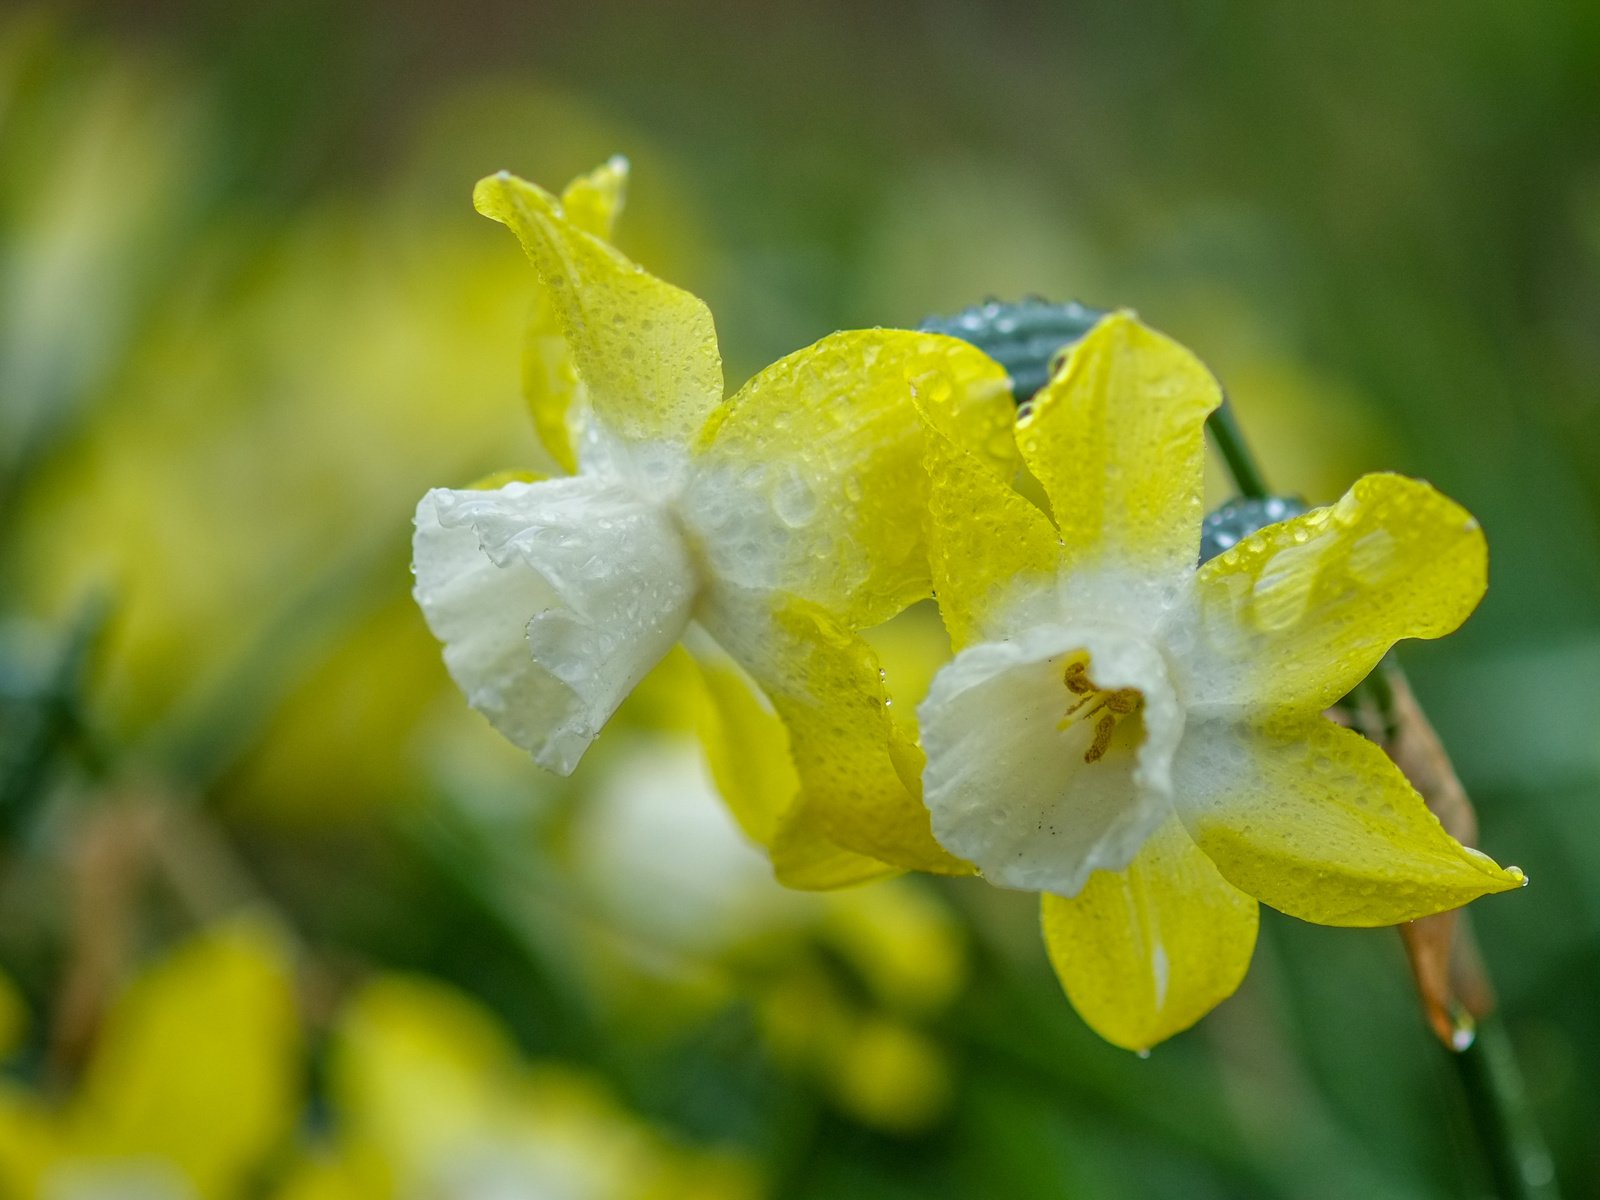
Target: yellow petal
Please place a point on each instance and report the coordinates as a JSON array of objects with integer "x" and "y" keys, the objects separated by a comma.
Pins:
[
  {"x": 416, "y": 1068},
  {"x": 591, "y": 202},
  {"x": 747, "y": 750},
  {"x": 859, "y": 772},
  {"x": 805, "y": 859},
  {"x": 831, "y": 439},
  {"x": 198, "y": 1064},
  {"x": 1316, "y": 821},
  {"x": 1117, "y": 439},
  {"x": 908, "y": 946},
  {"x": 890, "y": 1076},
  {"x": 987, "y": 545},
  {"x": 30, "y": 1140},
  {"x": 1145, "y": 952},
  {"x": 1298, "y": 613},
  {"x": 645, "y": 350},
  {"x": 556, "y": 396}
]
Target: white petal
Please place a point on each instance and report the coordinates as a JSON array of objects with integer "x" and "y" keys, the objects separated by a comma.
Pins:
[
  {"x": 553, "y": 600},
  {"x": 1010, "y": 791}
]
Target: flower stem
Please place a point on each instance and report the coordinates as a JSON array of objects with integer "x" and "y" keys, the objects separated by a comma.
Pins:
[
  {"x": 1235, "y": 452},
  {"x": 1517, "y": 1159}
]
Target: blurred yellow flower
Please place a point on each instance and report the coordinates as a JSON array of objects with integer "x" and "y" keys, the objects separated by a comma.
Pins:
[
  {"x": 194, "y": 1082},
  {"x": 1144, "y": 742},
  {"x": 713, "y": 522},
  {"x": 431, "y": 1098}
]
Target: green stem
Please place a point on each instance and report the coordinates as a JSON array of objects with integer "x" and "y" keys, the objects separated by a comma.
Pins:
[
  {"x": 1516, "y": 1156},
  {"x": 1235, "y": 452}
]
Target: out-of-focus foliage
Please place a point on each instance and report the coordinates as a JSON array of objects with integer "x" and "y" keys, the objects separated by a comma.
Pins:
[{"x": 247, "y": 316}]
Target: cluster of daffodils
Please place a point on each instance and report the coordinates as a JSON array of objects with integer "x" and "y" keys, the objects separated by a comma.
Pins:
[{"x": 1139, "y": 739}]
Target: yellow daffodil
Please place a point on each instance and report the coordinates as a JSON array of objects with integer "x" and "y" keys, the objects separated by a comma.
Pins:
[
  {"x": 1144, "y": 741},
  {"x": 764, "y": 530}
]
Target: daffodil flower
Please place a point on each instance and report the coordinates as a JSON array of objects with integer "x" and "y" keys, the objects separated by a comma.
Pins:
[
  {"x": 763, "y": 530},
  {"x": 1144, "y": 741}
]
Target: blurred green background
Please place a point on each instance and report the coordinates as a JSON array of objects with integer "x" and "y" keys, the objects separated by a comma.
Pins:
[{"x": 280, "y": 917}]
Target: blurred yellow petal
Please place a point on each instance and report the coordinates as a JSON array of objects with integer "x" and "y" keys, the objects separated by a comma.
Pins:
[
  {"x": 330, "y": 1179},
  {"x": 1298, "y": 613},
  {"x": 989, "y": 548},
  {"x": 414, "y": 1066},
  {"x": 198, "y": 1063},
  {"x": 30, "y": 1140},
  {"x": 556, "y": 396},
  {"x": 432, "y": 1098},
  {"x": 830, "y": 437},
  {"x": 645, "y": 350},
  {"x": 890, "y": 1076},
  {"x": 1117, "y": 438},
  {"x": 1316, "y": 821},
  {"x": 498, "y": 479},
  {"x": 1145, "y": 952},
  {"x": 859, "y": 772},
  {"x": 908, "y": 946}
]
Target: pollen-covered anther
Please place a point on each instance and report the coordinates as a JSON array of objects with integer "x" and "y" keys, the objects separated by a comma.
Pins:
[{"x": 1109, "y": 706}]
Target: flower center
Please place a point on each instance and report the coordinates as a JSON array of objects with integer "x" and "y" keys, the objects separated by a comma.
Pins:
[{"x": 1107, "y": 709}]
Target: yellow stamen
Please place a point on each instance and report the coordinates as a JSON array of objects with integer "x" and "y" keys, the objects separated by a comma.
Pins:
[
  {"x": 1115, "y": 705},
  {"x": 1104, "y": 728}
]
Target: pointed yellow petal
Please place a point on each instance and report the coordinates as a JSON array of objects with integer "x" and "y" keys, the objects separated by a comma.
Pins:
[
  {"x": 1316, "y": 821},
  {"x": 747, "y": 750},
  {"x": 988, "y": 546},
  {"x": 1117, "y": 438},
  {"x": 830, "y": 438},
  {"x": 1145, "y": 952},
  {"x": 556, "y": 396},
  {"x": 591, "y": 202},
  {"x": 645, "y": 350},
  {"x": 858, "y": 770},
  {"x": 1298, "y": 613}
]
